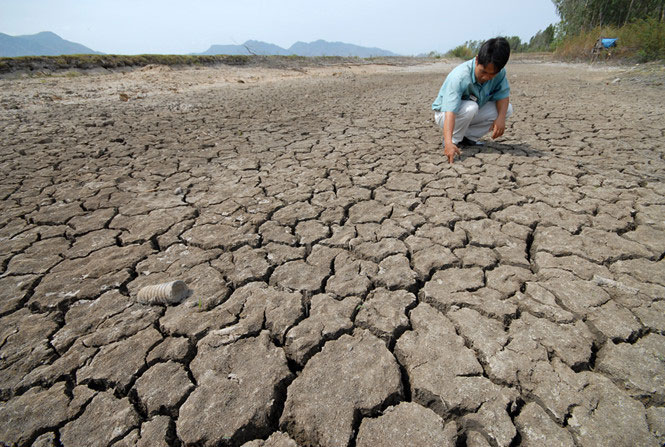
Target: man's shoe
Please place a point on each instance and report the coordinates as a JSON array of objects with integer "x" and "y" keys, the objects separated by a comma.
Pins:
[{"x": 466, "y": 142}]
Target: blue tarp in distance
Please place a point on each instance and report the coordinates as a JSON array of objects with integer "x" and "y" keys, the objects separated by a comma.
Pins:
[{"x": 609, "y": 43}]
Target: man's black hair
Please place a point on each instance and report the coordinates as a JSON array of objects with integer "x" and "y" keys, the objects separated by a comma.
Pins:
[{"x": 495, "y": 51}]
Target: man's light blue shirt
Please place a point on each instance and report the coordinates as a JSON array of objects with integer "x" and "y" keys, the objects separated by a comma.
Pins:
[{"x": 460, "y": 84}]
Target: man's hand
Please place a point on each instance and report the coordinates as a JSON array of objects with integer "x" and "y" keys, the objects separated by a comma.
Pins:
[
  {"x": 450, "y": 150},
  {"x": 499, "y": 124},
  {"x": 498, "y": 127}
]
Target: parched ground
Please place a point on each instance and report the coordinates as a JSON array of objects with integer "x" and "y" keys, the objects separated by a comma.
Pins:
[{"x": 349, "y": 286}]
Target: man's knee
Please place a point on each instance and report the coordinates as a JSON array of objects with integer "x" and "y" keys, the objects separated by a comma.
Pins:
[
  {"x": 509, "y": 112},
  {"x": 439, "y": 118},
  {"x": 468, "y": 109}
]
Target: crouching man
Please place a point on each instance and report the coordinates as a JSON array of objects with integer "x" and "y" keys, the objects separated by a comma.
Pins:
[{"x": 474, "y": 99}]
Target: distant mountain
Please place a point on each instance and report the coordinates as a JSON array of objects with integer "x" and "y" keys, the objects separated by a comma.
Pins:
[
  {"x": 50, "y": 44},
  {"x": 247, "y": 48},
  {"x": 323, "y": 48},
  {"x": 318, "y": 48},
  {"x": 40, "y": 44}
]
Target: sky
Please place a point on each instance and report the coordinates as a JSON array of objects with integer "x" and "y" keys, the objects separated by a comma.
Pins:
[{"x": 408, "y": 27}]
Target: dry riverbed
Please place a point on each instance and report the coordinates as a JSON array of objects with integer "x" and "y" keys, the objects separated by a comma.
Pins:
[{"x": 348, "y": 285}]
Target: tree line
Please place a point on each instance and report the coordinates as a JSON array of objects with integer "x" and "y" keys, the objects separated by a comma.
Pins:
[
  {"x": 583, "y": 15},
  {"x": 638, "y": 24},
  {"x": 541, "y": 41}
]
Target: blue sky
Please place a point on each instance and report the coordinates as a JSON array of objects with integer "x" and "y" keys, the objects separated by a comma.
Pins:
[{"x": 180, "y": 27}]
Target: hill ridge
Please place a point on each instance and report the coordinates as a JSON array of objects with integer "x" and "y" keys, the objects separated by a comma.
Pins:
[
  {"x": 45, "y": 43},
  {"x": 318, "y": 47}
]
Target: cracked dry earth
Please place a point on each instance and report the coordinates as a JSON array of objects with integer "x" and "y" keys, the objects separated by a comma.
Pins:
[{"x": 349, "y": 286}]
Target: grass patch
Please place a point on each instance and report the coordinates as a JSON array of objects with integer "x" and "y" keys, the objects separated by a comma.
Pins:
[
  {"x": 111, "y": 61},
  {"x": 37, "y": 64}
]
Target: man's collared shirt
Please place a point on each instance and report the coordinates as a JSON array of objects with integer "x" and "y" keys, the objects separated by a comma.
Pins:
[{"x": 460, "y": 84}]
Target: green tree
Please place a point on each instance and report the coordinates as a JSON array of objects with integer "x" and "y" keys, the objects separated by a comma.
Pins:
[
  {"x": 542, "y": 40},
  {"x": 474, "y": 45},
  {"x": 582, "y": 15},
  {"x": 515, "y": 44}
]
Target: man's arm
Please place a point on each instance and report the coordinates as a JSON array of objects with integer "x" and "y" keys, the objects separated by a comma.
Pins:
[
  {"x": 449, "y": 148},
  {"x": 499, "y": 124}
]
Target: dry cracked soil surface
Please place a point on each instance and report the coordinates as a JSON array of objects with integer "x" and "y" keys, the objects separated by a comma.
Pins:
[{"x": 348, "y": 286}]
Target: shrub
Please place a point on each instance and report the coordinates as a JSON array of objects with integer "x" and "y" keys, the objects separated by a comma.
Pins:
[
  {"x": 462, "y": 52},
  {"x": 236, "y": 60},
  {"x": 650, "y": 35}
]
